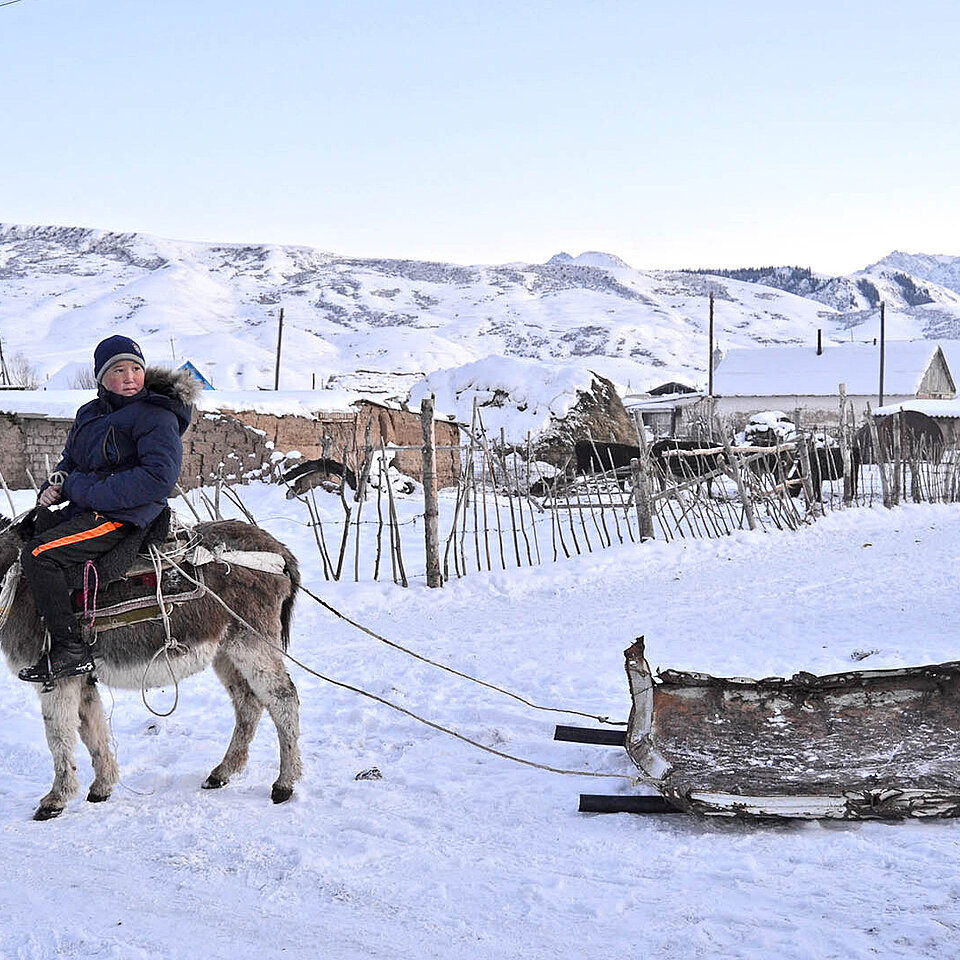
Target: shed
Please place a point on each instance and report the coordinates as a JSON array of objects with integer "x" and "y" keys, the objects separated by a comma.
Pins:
[
  {"x": 671, "y": 414},
  {"x": 805, "y": 378},
  {"x": 945, "y": 413}
]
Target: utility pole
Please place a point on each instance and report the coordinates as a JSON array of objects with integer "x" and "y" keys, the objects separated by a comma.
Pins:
[
  {"x": 4, "y": 373},
  {"x": 883, "y": 338},
  {"x": 276, "y": 373},
  {"x": 710, "y": 358}
]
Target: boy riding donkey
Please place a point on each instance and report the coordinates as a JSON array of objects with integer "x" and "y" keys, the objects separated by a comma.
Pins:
[{"x": 120, "y": 463}]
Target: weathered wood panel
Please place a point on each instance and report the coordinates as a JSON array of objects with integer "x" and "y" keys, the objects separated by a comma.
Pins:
[{"x": 867, "y": 743}]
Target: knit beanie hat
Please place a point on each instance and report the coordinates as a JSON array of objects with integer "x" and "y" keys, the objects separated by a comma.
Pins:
[{"x": 112, "y": 350}]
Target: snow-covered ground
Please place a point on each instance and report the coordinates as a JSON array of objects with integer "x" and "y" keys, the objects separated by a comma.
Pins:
[{"x": 456, "y": 853}]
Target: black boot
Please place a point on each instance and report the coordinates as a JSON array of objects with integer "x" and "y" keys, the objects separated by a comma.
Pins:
[{"x": 69, "y": 657}]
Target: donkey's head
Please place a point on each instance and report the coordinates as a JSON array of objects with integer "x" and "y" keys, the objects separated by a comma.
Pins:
[{"x": 12, "y": 539}]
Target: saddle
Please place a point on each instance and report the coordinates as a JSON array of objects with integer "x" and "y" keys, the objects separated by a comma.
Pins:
[
  {"x": 144, "y": 577},
  {"x": 139, "y": 580}
]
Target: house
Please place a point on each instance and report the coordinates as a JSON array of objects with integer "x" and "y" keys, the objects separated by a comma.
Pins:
[
  {"x": 808, "y": 379},
  {"x": 671, "y": 410},
  {"x": 196, "y": 374}
]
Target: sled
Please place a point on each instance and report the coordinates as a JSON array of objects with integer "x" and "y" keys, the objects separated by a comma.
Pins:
[{"x": 865, "y": 744}]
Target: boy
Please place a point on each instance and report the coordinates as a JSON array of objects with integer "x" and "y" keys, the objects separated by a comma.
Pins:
[{"x": 120, "y": 463}]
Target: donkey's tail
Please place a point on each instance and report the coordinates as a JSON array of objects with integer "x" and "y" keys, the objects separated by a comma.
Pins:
[{"x": 286, "y": 610}]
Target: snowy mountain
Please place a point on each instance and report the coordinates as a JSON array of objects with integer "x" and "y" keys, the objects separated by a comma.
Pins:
[
  {"x": 937, "y": 269},
  {"x": 383, "y": 325},
  {"x": 926, "y": 303}
]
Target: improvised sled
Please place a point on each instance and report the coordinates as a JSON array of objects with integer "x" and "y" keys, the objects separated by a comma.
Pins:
[{"x": 865, "y": 744}]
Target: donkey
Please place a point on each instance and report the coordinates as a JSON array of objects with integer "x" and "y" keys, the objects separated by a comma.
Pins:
[{"x": 247, "y": 657}]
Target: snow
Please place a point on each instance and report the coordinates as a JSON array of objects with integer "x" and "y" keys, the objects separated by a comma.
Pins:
[
  {"x": 518, "y": 396},
  {"x": 932, "y": 408},
  {"x": 300, "y": 403},
  {"x": 456, "y": 853}
]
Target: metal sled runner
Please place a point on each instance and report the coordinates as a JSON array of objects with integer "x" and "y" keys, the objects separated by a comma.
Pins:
[{"x": 866, "y": 744}]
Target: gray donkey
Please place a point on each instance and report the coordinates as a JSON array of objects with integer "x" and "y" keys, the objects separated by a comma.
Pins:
[{"x": 248, "y": 662}]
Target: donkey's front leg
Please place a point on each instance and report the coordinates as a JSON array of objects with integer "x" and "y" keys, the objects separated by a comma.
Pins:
[
  {"x": 96, "y": 738},
  {"x": 61, "y": 719}
]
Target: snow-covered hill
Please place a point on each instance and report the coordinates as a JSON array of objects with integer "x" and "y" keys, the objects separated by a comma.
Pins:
[{"x": 382, "y": 325}]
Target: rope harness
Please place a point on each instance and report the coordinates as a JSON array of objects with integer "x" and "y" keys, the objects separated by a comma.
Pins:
[
  {"x": 632, "y": 778},
  {"x": 456, "y": 673}
]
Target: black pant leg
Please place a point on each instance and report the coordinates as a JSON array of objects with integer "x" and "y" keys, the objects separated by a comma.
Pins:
[{"x": 47, "y": 558}]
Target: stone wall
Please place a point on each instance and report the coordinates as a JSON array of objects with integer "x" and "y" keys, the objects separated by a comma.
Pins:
[
  {"x": 30, "y": 442},
  {"x": 343, "y": 436},
  {"x": 239, "y": 444}
]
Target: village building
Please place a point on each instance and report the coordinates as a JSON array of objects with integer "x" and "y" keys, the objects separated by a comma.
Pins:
[
  {"x": 808, "y": 379},
  {"x": 671, "y": 410}
]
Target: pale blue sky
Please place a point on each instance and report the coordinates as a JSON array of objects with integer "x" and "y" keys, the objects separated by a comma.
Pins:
[{"x": 823, "y": 134}]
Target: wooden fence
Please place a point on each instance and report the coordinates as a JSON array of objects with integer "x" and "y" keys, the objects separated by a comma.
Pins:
[{"x": 511, "y": 511}]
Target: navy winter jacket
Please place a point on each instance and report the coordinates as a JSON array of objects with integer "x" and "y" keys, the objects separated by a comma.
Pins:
[{"x": 123, "y": 454}]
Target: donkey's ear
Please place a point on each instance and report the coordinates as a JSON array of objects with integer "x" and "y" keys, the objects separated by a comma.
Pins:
[{"x": 25, "y": 526}]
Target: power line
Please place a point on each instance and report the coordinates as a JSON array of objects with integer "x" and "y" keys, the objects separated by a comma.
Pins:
[{"x": 9, "y": 3}]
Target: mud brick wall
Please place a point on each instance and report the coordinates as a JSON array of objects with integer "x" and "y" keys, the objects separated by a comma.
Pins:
[
  {"x": 345, "y": 436},
  {"x": 217, "y": 445},
  {"x": 30, "y": 443},
  {"x": 213, "y": 445},
  {"x": 238, "y": 445}
]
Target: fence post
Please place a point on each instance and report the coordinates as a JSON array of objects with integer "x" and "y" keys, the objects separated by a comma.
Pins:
[
  {"x": 846, "y": 442},
  {"x": 431, "y": 531},
  {"x": 642, "y": 493},
  {"x": 879, "y": 457},
  {"x": 733, "y": 462},
  {"x": 811, "y": 491}
]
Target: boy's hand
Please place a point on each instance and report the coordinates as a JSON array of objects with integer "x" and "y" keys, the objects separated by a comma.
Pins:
[{"x": 49, "y": 496}]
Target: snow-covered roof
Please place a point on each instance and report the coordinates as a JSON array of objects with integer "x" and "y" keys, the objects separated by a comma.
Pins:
[
  {"x": 932, "y": 408},
  {"x": 801, "y": 371},
  {"x": 647, "y": 403}
]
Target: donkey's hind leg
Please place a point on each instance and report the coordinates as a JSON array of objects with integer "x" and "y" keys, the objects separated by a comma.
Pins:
[
  {"x": 261, "y": 665},
  {"x": 60, "y": 708},
  {"x": 96, "y": 738},
  {"x": 247, "y": 710}
]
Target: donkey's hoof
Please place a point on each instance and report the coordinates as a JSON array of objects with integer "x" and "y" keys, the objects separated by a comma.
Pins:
[
  {"x": 97, "y": 797},
  {"x": 214, "y": 783},
  {"x": 47, "y": 813},
  {"x": 280, "y": 794}
]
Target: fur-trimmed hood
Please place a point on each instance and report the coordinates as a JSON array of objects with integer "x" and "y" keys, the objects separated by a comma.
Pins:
[
  {"x": 174, "y": 390},
  {"x": 176, "y": 384}
]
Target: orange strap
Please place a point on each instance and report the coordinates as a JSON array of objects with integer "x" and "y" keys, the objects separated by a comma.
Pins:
[{"x": 90, "y": 534}]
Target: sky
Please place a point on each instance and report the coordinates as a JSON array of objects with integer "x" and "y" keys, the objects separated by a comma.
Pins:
[{"x": 690, "y": 134}]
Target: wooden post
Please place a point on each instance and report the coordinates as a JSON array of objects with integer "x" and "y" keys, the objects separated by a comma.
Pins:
[
  {"x": 735, "y": 471},
  {"x": 846, "y": 440},
  {"x": 883, "y": 346},
  {"x": 812, "y": 495},
  {"x": 642, "y": 491},
  {"x": 879, "y": 457},
  {"x": 897, "y": 456},
  {"x": 431, "y": 511},
  {"x": 276, "y": 369}
]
